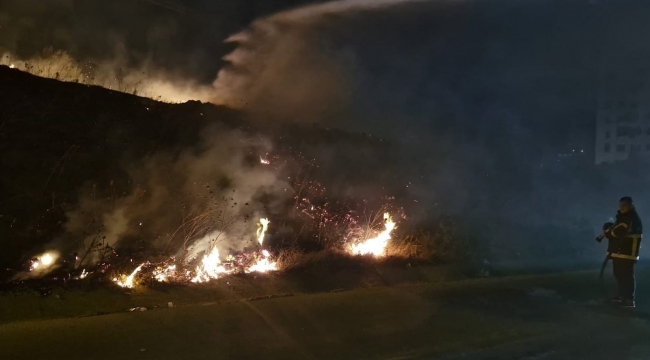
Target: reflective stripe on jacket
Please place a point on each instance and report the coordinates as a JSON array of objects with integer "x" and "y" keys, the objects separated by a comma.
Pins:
[{"x": 625, "y": 236}]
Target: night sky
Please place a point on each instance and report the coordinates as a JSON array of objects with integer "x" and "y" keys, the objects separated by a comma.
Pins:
[
  {"x": 537, "y": 61},
  {"x": 493, "y": 85}
]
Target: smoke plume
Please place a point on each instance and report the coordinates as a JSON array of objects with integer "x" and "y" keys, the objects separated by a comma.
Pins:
[
  {"x": 215, "y": 192},
  {"x": 144, "y": 80},
  {"x": 478, "y": 99},
  {"x": 162, "y": 52}
]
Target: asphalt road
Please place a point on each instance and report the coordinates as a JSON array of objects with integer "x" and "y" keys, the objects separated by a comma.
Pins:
[{"x": 532, "y": 317}]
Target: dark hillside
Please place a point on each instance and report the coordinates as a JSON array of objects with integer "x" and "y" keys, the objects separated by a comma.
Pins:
[{"x": 56, "y": 137}]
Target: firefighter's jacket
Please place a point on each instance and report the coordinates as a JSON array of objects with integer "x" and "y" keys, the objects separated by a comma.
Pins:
[{"x": 625, "y": 236}]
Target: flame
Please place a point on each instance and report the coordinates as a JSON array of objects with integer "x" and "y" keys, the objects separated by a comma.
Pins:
[
  {"x": 128, "y": 281},
  {"x": 12, "y": 66},
  {"x": 47, "y": 259},
  {"x": 263, "y": 225},
  {"x": 264, "y": 161},
  {"x": 210, "y": 267},
  {"x": 44, "y": 261},
  {"x": 377, "y": 245},
  {"x": 162, "y": 274},
  {"x": 263, "y": 264}
]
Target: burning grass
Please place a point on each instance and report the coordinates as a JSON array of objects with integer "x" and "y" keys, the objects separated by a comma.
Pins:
[
  {"x": 153, "y": 284},
  {"x": 373, "y": 244},
  {"x": 214, "y": 236},
  {"x": 211, "y": 266},
  {"x": 376, "y": 242},
  {"x": 260, "y": 260}
]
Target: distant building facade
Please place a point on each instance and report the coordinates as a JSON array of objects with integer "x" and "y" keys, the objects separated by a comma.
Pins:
[{"x": 623, "y": 116}]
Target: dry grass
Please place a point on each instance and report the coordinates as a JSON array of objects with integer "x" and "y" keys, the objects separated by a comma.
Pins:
[
  {"x": 426, "y": 246},
  {"x": 294, "y": 260},
  {"x": 410, "y": 247},
  {"x": 289, "y": 258},
  {"x": 443, "y": 244},
  {"x": 59, "y": 65}
]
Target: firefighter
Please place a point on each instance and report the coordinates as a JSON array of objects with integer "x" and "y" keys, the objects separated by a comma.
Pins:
[{"x": 624, "y": 243}]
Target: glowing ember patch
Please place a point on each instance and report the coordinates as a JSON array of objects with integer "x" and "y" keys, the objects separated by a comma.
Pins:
[
  {"x": 12, "y": 66},
  {"x": 264, "y": 161},
  {"x": 377, "y": 245},
  {"x": 263, "y": 226},
  {"x": 127, "y": 281}
]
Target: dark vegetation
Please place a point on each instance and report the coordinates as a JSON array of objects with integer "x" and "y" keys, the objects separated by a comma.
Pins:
[{"x": 58, "y": 136}]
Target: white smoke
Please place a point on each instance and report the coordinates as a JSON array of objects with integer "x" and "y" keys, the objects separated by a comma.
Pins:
[
  {"x": 285, "y": 67},
  {"x": 120, "y": 45},
  {"x": 282, "y": 74},
  {"x": 182, "y": 203},
  {"x": 338, "y": 7}
]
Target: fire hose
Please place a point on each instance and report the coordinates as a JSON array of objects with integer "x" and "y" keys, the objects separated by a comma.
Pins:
[
  {"x": 601, "y": 277},
  {"x": 606, "y": 227}
]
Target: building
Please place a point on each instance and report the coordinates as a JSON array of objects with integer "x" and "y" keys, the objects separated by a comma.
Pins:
[{"x": 623, "y": 117}]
